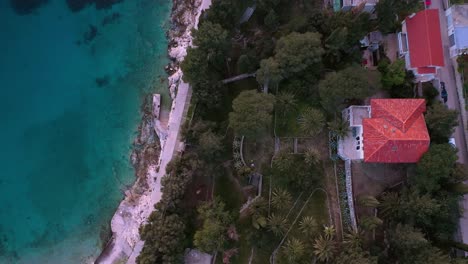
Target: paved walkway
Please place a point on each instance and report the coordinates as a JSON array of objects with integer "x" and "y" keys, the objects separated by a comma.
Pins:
[
  {"x": 171, "y": 146},
  {"x": 447, "y": 75}
]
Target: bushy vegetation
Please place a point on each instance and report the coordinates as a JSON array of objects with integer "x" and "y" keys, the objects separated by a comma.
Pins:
[{"x": 307, "y": 68}]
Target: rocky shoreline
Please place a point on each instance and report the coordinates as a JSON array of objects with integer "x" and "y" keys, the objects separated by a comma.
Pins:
[{"x": 146, "y": 157}]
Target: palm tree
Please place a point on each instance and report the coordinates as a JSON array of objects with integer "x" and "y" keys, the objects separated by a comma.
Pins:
[
  {"x": 368, "y": 201},
  {"x": 354, "y": 238},
  {"x": 294, "y": 250},
  {"x": 389, "y": 204},
  {"x": 311, "y": 121},
  {"x": 370, "y": 223},
  {"x": 324, "y": 248},
  {"x": 277, "y": 224},
  {"x": 308, "y": 225},
  {"x": 286, "y": 102},
  {"x": 339, "y": 126},
  {"x": 329, "y": 231},
  {"x": 312, "y": 156},
  {"x": 281, "y": 199}
]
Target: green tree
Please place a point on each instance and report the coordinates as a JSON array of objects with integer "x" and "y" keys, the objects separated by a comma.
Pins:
[
  {"x": 368, "y": 201},
  {"x": 223, "y": 12},
  {"x": 324, "y": 248},
  {"x": 277, "y": 224},
  {"x": 311, "y": 121},
  {"x": 195, "y": 66},
  {"x": 251, "y": 113},
  {"x": 354, "y": 239},
  {"x": 393, "y": 74},
  {"x": 339, "y": 87},
  {"x": 441, "y": 122},
  {"x": 285, "y": 102},
  {"x": 435, "y": 168},
  {"x": 269, "y": 72},
  {"x": 258, "y": 209},
  {"x": 247, "y": 63},
  {"x": 392, "y": 12},
  {"x": 294, "y": 250},
  {"x": 281, "y": 200},
  {"x": 210, "y": 144},
  {"x": 163, "y": 236},
  {"x": 266, "y": 5},
  {"x": 389, "y": 205},
  {"x": 213, "y": 40},
  {"x": 271, "y": 21},
  {"x": 370, "y": 223},
  {"x": 404, "y": 239},
  {"x": 329, "y": 231},
  {"x": 355, "y": 256},
  {"x": 216, "y": 220},
  {"x": 293, "y": 171},
  {"x": 210, "y": 237},
  {"x": 312, "y": 156},
  {"x": 418, "y": 209},
  {"x": 296, "y": 52},
  {"x": 308, "y": 226},
  {"x": 339, "y": 126}
]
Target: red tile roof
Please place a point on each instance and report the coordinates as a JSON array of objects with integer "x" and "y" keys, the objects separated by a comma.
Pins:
[
  {"x": 396, "y": 131},
  {"x": 424, "y": 39},
  {"x": 426, "y": 70}
]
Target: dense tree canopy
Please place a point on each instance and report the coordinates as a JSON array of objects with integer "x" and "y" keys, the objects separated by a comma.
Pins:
[
  {"x": 390, "y": 13},
  {"x": 441, "y": 122},
  {"x": 339, "y": 87},
  {"x": 393, "y": 74},
  {"x": 251, "y": 113},
  {"x": 216, "y": 220},
  {"x": 163, "y": 236},
  {"x": 435, "y": 168},
  {"x": 296, "y": 52}
]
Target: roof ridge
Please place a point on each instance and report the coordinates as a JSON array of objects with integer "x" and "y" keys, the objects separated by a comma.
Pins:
[
  {"x": 421, "y": 101},
  {"x": 380, "y": 133},
  {"x": 427, "y": 34}
]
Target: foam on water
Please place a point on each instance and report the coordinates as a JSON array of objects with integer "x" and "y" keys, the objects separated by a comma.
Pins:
[{"x": 69, "y": 111}]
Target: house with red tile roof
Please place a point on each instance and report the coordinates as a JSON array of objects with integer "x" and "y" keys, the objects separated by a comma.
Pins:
[
  {"x": 387, "y": 131},
  {"x": 420, "y": 44}
]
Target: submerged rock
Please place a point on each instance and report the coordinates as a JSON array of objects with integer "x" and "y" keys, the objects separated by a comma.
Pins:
[
  {"x": 77, "y": 5},
  {"x": 112, "y": 18},
  {"x": 90, "y": 34},
  {"x": 102, "y": 81},
  {"x": 25, "y": 7}
]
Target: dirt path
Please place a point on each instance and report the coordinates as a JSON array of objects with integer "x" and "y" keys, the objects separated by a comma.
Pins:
[{"x": 333, "y": 198}]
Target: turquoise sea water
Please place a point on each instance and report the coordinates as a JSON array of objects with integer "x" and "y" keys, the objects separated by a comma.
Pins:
[{"x": 65, "y": 135}]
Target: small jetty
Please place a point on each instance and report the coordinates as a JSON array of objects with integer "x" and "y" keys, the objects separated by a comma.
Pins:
[{"x": 156, "y": 105}]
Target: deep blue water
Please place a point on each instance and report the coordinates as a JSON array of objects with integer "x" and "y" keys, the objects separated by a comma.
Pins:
[{"x": 69, "y": 111}]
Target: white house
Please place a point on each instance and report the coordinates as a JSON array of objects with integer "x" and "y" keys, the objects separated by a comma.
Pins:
[{"x": 457, "y": 23}]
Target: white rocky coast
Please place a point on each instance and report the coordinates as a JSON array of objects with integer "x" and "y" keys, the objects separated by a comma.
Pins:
[{"x": 139, "y": 202}]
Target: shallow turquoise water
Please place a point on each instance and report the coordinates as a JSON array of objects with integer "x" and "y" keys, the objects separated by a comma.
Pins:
[{"x": 66, "y": 140}]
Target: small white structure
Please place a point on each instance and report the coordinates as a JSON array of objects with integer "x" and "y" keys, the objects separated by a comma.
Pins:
[
  {"x": 350, "y": 147},
  {"x": 457, "y": 25}
]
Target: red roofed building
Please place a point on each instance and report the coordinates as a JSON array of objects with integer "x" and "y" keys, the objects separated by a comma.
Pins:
[
  {"x": 420, "y": 43},
  {"x": 394, "y": 131}
]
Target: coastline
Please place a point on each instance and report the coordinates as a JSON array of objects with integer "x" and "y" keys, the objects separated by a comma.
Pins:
[{"x": 139, "y": 201}]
